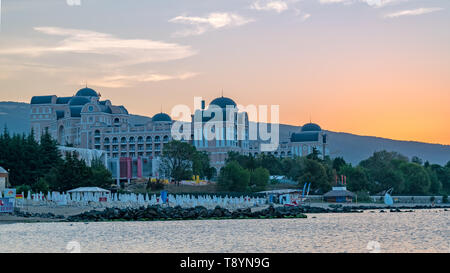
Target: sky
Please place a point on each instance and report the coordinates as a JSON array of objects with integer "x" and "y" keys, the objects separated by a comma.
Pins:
[{"x": 368, "y": 67}]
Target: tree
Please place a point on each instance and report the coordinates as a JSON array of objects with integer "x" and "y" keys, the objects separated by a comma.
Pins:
[
  {"x": 177, "y": 160},
  {"x": 417, "y": 160},
  {"x": 100, "y": 176},
  {"x": 338, "y": 163},
  {"x": 417, "y": 179},
  {"x": 201, "y": 165},
  {"x": 314, "y": 155},
  {"x": 383, "y": 171},
  {"x": 315, "y": 173},
  {"x": 356, "y": 178},
  {"x": 259, "y": 178},
  {"x": 233, "y": 177},
  {"x": 49, "y": 152}
]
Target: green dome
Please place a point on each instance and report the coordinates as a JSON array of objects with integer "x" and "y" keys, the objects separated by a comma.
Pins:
[
  {"x": 161, "y": 117},
  {"x": 311, "y": 127},
  {"x": 223, "y": 102},
  {"x": 86, "y": 92}
]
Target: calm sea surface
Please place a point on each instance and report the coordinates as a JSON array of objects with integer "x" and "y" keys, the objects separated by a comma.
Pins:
[{"x": 420, "y": 231}]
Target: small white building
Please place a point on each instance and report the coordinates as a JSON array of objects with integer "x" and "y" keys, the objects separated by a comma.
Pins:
[{"x": 4, "y": 175}]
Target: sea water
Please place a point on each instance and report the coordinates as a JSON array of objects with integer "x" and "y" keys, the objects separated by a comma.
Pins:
[{"x": 419, "y": 231}]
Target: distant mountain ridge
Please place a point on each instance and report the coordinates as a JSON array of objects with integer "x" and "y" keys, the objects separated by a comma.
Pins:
[{"x": 353, "y": 148}]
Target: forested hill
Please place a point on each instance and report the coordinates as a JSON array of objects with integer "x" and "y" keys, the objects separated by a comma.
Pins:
[{"x": 353, "y": 148}]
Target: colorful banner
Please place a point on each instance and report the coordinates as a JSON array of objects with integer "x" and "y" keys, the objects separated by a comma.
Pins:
[
  {"x": 9, "y": 193},
  {"x": 164, "y": 196},
  {"x": 6, "y": 205}
]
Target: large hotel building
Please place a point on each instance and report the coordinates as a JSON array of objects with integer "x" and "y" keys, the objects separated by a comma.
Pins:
[{"x": 97, "y": 128}]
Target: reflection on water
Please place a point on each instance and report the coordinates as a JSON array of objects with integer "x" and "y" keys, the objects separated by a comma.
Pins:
[{"x": 420, "y": 231}]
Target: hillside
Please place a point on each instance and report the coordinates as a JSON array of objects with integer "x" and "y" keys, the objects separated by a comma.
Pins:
[{"x": 353, "y": 148}]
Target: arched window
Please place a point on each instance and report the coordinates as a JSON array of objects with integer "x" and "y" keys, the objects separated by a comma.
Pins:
[
  {"x": 140, "y": 139},
  {"x": 116, "y": 120},
  {"x": 106, "y": 140},
  {"x": 157, "y": 139},
  {"x": 123, "y": 140},
  {"x": 148, "y": 139},
  {"x": 166, "y": 138},
  {"x": 114, "y": 140},
  {"x": 131, "y": 140}
]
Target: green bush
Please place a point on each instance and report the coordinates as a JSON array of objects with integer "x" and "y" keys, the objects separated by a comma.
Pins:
[
  {"x": 363, "y": 196},
  {"x": 233, "y": 178},
  {"x": 155, "y": 186},
  {"x": 23, "y": 188},
  {"x": 259, "y": 179},
  {"x": 41, "y": 186}
]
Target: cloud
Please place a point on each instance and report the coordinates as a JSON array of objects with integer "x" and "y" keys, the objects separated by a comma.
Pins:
[
  {"x": 212, "y": 21},
  {"x": 277, "y": 6},
  {"x": 102, "y": 59},
  {"x": 122, "y": 51},
  {"x": 372, "y": 3},
  {"x": 123, "y": 80},
  {"x": 412, "y": 12},
  {"x": 306, "y": 16}
]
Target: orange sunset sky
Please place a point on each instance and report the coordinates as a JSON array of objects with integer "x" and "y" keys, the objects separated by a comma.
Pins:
[{"x": 368, "y": 67}]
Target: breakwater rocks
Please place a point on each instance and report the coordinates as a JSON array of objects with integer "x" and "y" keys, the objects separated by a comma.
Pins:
[
  {"x": 162, "y": 213},
  {"x": 152, "y": 213},
  {"x": 336, "y": 208},
  {"x": 49, "y": 215}
]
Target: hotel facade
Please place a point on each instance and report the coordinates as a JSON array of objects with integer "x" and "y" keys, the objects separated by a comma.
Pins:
[{"x": 132, "y": 150}]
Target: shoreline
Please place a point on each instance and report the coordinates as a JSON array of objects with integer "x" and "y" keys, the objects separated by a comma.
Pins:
[{"x": 44, "y": 214}]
